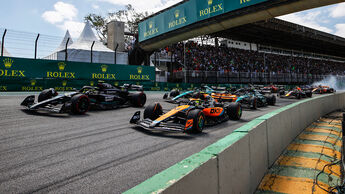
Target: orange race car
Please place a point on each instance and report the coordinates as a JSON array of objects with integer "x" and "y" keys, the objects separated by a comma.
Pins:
[
  {"x": 323, "y": 89},
  {"x": 191, "y": 117}
]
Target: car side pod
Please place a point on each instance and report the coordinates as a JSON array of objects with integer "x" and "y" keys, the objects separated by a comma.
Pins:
[
  {"x": 28, "y": 101},
  {"x": 135, "y": 118}
]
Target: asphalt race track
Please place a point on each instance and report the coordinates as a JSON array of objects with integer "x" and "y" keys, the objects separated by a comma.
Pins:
[{"x": 98, "y": 152}]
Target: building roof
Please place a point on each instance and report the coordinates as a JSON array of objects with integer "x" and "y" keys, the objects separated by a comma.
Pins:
[{"x": 283, "y": 34}]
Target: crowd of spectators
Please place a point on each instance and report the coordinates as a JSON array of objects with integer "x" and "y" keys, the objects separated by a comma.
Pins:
[{"x": 193, "y": 56}]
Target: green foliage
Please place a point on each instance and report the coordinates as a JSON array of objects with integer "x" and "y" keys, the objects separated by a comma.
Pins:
[{"x": 128, "y": 15}]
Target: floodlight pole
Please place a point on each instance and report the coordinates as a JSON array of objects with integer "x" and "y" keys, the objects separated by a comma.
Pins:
[
  {"x": 66, "y": 49},
  {"x": 38, "y": 35},
  {"x": 93, "y": 43},
  {"x": 3, "y": 42}
]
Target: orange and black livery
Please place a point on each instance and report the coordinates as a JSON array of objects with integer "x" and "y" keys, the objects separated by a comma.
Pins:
[{"x": 188, "y": 118}]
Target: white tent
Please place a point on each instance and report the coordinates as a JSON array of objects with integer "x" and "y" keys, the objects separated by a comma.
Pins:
[
  {"x": 64, "y": 41},
  {"x": 59, "y": 53},
  {"x": 81, "y": 50},
  {"x": 6, "y": 53}
]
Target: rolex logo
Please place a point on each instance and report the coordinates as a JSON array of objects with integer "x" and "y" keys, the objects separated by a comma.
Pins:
[
  {"x": 177, "y": 85},
  {"x": 62, "y": 66},
  {"x": 92, "y": 83},
  {"x": 64, "y": 83},
  {"x": 150, "y": 24},
  {"x": 8, "y": 63},
  {"x": 104, "y": 68},
  {"x": 156, "y": 84},
  {"x": 116, "y": 83},
  {"x": 177, "y": 13},
  {"x": 140, "y": 70},
  {"x": 210, "y": 2},
  {"x": 33, "y": 82}
]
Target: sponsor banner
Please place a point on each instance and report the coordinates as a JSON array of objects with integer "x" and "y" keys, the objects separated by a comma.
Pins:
[
  {"x": 187, "y": 13},
  {"x": 18, "y": 68}
]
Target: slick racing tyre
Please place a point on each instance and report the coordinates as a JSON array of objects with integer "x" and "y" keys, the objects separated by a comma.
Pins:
[
  {"x": 234, "y": 111},
  {"x": 137, "y": 99},
  {"x": 47, "y": 94},
  {"x": 153, "y": 111},
  {"x": 253, "y": 103},
  {"x": 174, "y": 93},
  {"x": 309, "y": 94},
  {"x": 271, "y": 100},
  {"x": 198, "y": 120},
  {"x": 298, "y": 96},
  {"x": 80, "y": 104}
]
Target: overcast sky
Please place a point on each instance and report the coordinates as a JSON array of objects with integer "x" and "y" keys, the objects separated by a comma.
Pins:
[{"x": 53, "y": 17}]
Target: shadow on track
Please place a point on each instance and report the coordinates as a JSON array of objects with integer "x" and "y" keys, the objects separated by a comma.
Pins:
[
  {"x": 167, "y": 134},
  {"x": 55, "y": 115}
]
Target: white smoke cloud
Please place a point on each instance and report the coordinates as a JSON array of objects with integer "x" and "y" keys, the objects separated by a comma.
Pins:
[{"x": 332, "y": 82}]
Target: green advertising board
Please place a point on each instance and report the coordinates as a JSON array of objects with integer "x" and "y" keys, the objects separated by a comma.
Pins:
[
  {"x": 32, "y": 74},
  {"x": 187, "y": 13}
]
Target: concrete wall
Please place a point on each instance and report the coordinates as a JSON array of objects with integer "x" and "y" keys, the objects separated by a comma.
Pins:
[{"x": 238, "y": 162}]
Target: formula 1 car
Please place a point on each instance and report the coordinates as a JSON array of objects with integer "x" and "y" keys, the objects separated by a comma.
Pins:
[
  {"x": 188, "y": 118},
  {"x": 271, "y": 89},
  {"x": 218, "y": 93},
  {"x": 253, "y": 98},
  {"x": 298, "y": 93},
  {"x": 50, "y": 100},
  {"x": 323, "y": 89},
  {"x": 104, "y": 96}
]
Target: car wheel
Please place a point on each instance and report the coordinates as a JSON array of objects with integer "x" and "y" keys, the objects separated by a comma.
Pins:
[
  {"x": 80, "y": 104},
  {"x": 137, "y": 99},
  {"x": 234, "y": 111},
  {"x": 298, "y": 96},
  {"x": 271, "y": 100},
  {"x": 153, "y": 111},
  {"x": 198, "y": 120},
  {"x": 254, "y": 103},
  {"x": 309, "y": 94}
]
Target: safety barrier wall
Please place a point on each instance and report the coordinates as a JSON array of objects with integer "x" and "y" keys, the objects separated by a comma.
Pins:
[{"x": 238, "y": 162}]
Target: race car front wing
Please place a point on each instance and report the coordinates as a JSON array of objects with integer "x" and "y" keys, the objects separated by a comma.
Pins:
[{"x": 150, "y": 125}]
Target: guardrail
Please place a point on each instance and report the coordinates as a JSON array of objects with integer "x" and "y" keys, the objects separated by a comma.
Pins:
[{"x": 238, "y": 162}]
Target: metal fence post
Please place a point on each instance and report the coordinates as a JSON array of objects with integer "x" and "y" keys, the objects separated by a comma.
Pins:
[
  {"x": 66, "y": 49},
  {"x": 38, "y": 35},
  {"x": 3, "y": 42},
  {"x": 93, "y": 43},
  {"x": 117, "y": 45}
]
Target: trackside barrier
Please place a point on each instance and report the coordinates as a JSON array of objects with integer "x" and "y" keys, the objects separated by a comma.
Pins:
[{"x": 238, "y": 162}]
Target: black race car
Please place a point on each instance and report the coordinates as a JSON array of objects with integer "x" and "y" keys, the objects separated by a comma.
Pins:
[
  {"x": 107, "y": 96},
  {"x": 50, "y": 100},
  {"x": 104, "y": 96}
]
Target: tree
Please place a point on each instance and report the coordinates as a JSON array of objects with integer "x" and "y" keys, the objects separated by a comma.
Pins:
[{"x": 128, "y": 15}]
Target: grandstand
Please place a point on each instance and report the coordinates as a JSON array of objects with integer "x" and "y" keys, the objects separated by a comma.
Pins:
[{"x": 269, "y": 48}]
